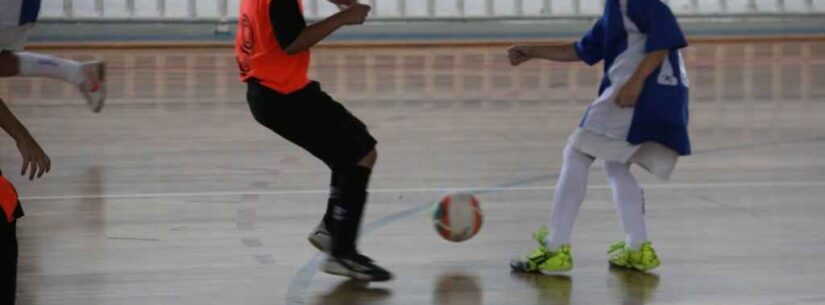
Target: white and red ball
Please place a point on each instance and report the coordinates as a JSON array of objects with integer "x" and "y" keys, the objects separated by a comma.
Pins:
[{"x": 457, "y": 217}]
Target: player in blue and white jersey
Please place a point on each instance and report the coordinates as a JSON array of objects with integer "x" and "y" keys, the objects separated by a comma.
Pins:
[{"x": 639, "y": 117}]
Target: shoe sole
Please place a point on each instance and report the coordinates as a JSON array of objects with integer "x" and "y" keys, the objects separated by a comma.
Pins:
[
  {"x": 634, "y": 268},
  {"x": 340, "y": 271},
  {"x": 520, "y": 269}
]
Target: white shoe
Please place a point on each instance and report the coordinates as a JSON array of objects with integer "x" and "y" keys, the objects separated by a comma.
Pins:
[
  {"x": 320, "y": 238},
  {"x": 94, "y": 89}
]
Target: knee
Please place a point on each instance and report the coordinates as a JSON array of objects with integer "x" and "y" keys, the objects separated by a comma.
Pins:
[
  {"x": 8, "y": 63},
  {"x": 368, "y": 161},
  {"x": 574, "y": 158},
  {"x": 616, "y": 169}
]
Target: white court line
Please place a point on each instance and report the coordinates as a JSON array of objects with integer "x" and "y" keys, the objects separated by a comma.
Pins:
[{"x": 432, "y": 190}]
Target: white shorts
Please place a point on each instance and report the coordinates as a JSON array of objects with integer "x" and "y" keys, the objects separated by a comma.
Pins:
[
  {"x": 13, "y": 38},
  {"x": 653, "y": 157}
]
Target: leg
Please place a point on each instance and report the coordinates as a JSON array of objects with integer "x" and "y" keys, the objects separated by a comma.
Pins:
[
  {"x": 553, "y": 253},
  {"x": 368, "y": 161},
  {"x": 335, "y": 186},
  {"x": 8, "y": 64},
  {"x": 313, "y": 120},
  {"x": 14, "y": 62},
  {"x": 570, "y": 191},
  {"x": 89, "y": 77},
  {"x": 320, "y": 237},
  {"x": 41, "y": 65},
  {"x": 345, "y": 258},
  {"x": 629, "y": 200},
  {"x": 350, "y": 209},
  {"x": 334, "y": 197}
]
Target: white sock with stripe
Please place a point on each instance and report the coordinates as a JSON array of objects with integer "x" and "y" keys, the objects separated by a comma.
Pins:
[{"x": 40, "y": 65}]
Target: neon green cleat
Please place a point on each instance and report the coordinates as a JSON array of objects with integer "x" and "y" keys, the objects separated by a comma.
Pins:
[
  {"x": 542, "y": 259},
  {"x": 644, "y": 259}
]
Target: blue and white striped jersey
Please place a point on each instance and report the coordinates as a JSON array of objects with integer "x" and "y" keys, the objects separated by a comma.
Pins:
[{"x": 626, "y": 32}]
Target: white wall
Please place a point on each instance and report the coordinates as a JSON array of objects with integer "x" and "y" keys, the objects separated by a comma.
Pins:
[{"x": 390, "y": 8}]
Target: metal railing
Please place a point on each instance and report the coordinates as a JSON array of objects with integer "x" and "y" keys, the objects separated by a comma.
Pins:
[{"x": 414, "y": 10}]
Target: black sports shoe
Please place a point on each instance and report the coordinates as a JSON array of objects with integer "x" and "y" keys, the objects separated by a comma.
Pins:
[{"x": 358, "y": 267}]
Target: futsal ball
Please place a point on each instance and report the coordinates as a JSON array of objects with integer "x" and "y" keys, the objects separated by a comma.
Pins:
[{"x": 457, "y": 217}]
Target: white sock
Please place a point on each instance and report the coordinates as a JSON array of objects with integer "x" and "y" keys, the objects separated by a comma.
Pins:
[
  {"x": 569, "y": 195},
  {"x": 630, "y": 202},
  {"x": 40, "y": 65}
]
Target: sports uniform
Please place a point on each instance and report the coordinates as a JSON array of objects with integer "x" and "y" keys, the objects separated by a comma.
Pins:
[
  {"x": 652, "y": 134},
  {"x": 283, "y": 98}
]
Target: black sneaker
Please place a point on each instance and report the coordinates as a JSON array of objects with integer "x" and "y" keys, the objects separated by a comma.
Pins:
[{"x": 357, "y": 267}]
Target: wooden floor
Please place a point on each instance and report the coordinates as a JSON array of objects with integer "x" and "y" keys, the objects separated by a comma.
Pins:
[{"x": 174, "y": 195}]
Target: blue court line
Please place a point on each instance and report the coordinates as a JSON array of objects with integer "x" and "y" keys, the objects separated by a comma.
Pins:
[{"x": 300, "y": 283}]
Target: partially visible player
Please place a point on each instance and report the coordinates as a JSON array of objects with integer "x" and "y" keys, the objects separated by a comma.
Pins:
[
  {"x": 35, "y": 164},
  {"x": 273, "y": 51},
  {"x": 640, "y": 117},
  {"x": 17, "y": 17}
]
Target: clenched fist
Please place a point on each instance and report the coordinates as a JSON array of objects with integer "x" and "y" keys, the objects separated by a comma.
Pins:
[
  {"x": 519, "y": 54},
  {"x": 355, "y": 13}
]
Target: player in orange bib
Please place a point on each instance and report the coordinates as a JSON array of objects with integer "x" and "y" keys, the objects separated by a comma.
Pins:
[
  {"x": 17, "y": 17},
  {"x": 10, "y": 210},
  {"x": 272, "y": 49},
  {"x": 35, "y": 164}
]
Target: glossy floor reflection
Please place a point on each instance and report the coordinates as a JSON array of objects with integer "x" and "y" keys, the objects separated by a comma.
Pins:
[{"x": 174, "y": 195}]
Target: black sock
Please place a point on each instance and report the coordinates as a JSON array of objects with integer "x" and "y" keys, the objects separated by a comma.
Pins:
[
  {"x": 347, "y": 213},
  {"x": 334, "y": 198}
]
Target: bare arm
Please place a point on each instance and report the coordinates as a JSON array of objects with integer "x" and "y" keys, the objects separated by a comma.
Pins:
[
  {"x": 34, "y": 157},
  {"x": 10, "y": 124},
  {"x": 631, "y": 90},
  {"x": 555, "y": 52},
  {"x": 311, "y": 35}
]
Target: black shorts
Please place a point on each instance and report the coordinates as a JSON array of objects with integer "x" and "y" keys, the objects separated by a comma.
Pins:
[
  {"x": 8, "y": 260},
  {"x": 314, "y": 121},
  {"x": 8, "y": 255}
]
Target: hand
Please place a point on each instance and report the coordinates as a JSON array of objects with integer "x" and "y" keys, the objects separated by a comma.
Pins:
[
  {"x": 343, "y": 4},
  {"x": 355, "y": 13},
  {"x": 519, "y": 54},
  {"x": 629, "y": 94},
  {"x": 34, "y": 158}
]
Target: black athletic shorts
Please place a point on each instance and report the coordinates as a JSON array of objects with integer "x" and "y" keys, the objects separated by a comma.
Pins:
[
  {"x": 314, "y": 121},
  {"x": 8, "y": 253},
  {"x": 8, "y": 260}
]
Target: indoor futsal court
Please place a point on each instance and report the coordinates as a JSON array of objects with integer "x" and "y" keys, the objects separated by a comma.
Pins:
[{"x": 174, "y": 194}]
